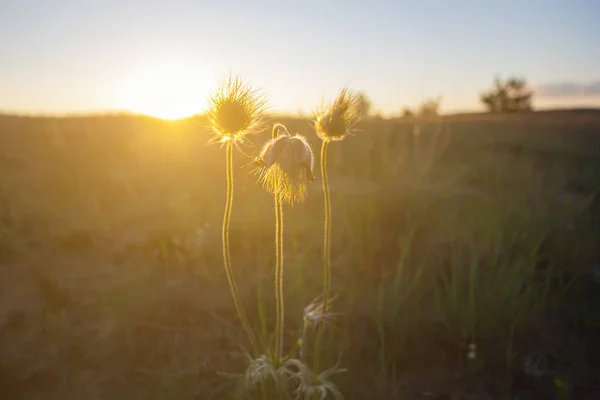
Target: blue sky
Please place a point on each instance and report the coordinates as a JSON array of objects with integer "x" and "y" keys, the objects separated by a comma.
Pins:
[{"x": 64, "y": 56}]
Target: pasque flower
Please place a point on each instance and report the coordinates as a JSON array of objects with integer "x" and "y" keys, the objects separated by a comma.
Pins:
[{"x": 286, "y": 165}]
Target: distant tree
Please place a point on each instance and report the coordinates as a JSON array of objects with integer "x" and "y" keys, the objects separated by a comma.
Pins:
[
  {"x": 407, "y": 113},
  {"x": 363, "y": 104},
  {"x": 510, "y": 96},
  {"x": 429, "y": 107}
]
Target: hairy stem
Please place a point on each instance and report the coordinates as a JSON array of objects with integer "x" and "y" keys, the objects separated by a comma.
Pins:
[
  {"x": 304, "y": 343},
  {"x": 279, "y": 276},
  {"x": 226, "y": 252},
  {"x": 326, "y": 253}
]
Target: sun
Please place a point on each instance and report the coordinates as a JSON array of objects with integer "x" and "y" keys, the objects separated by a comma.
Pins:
[{"x": 168, "y": 91}]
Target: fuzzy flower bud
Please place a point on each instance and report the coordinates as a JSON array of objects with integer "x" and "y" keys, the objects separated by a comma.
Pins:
[
  {"x": 235, "y": 109},
  {"x": 337, "y": 120},
  {"x": 285, "y": 165}
]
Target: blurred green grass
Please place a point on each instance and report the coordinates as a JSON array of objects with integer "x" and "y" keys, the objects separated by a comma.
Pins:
[{"x": 445, "y": 231}]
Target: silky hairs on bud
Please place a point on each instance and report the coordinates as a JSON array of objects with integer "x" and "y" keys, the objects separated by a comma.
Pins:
[
  {"x": 286, "y": 165},
  {"x": 234, "y": 110},
  {"x": 336, "y": 120}
]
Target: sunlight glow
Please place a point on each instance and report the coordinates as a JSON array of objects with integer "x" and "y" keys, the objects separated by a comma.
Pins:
[{"x": 169, "y": 91}]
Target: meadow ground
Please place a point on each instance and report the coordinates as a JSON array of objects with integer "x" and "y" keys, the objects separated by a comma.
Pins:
[{"x": 469, "y": 229}]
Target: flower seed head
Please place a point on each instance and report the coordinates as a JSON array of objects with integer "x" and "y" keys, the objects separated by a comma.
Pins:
[
  {"x": 337, "y": 120},
  {"x": 314, "y": 315},
  {"x": 235, "y": 109},
  {"x": 285, "y": 165}
]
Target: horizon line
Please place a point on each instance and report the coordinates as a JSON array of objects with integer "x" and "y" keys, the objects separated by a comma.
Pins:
[{"x": 117, "y": 112}]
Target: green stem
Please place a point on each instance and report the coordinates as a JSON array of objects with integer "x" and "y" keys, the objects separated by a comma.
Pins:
[
  {"x": 326, "y": 253},
  {"x": 304, "y": 343},
  {"x": 226, "y": 252},
  {"x": 279, "y": 276}
]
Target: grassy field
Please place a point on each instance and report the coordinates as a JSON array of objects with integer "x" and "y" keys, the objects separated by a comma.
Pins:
[{"x": 462, "y": 230}]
